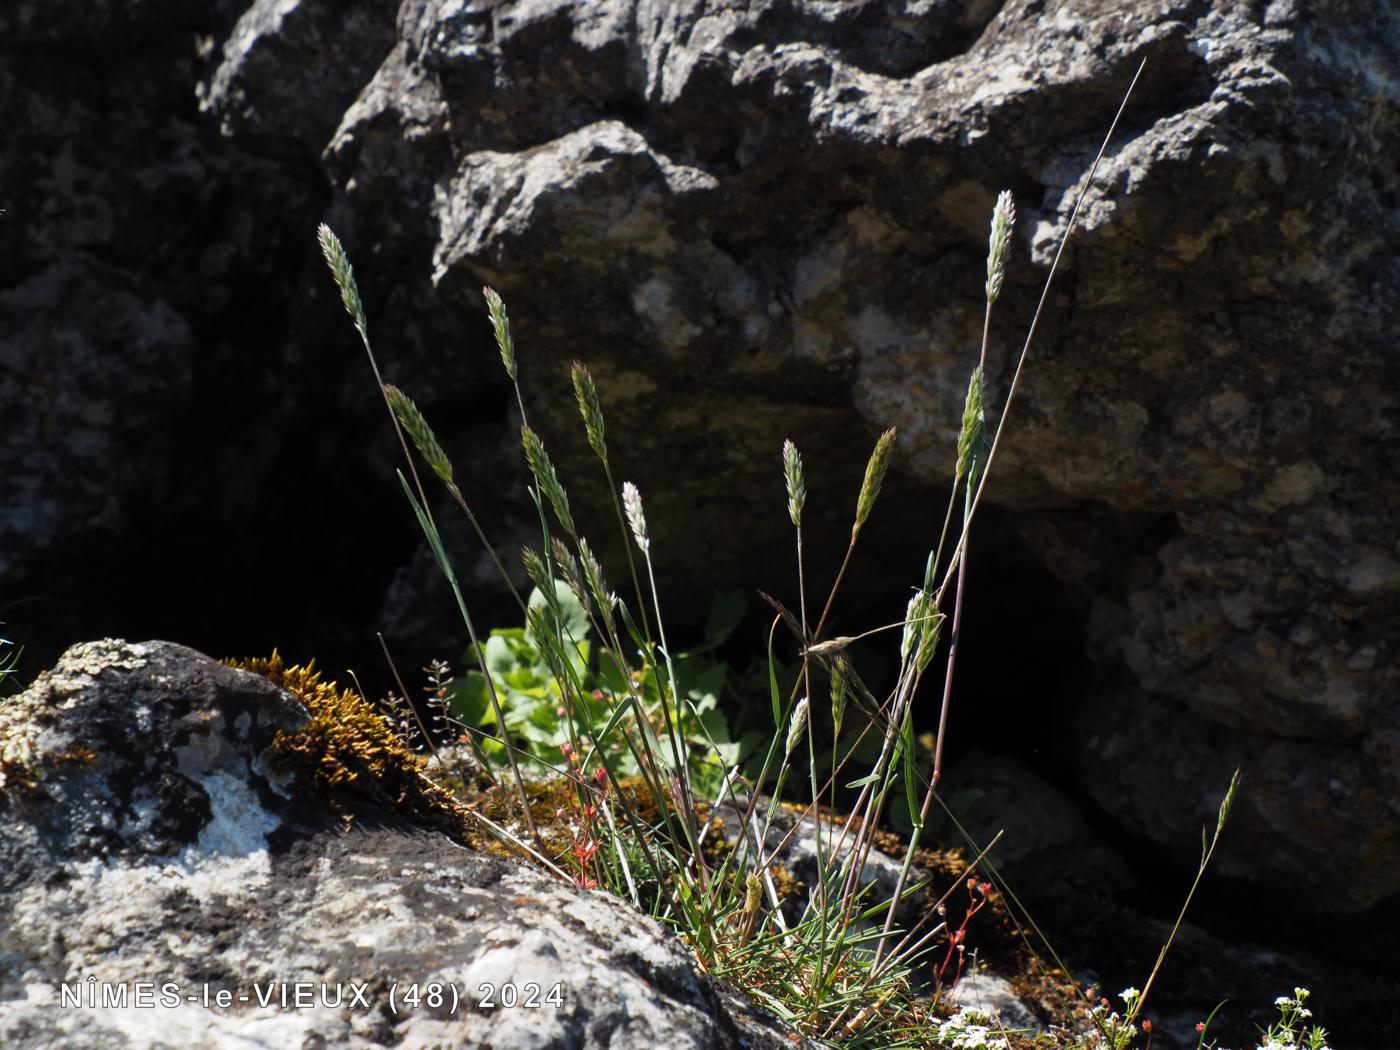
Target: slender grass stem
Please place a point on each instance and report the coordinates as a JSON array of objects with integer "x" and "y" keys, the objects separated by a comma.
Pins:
[
  {"x": 682, "y": 766},
  {"x": 627, "y": 550},
  {"x": 1035, "y": 323},
  {"x": 1206, "y": 853}
]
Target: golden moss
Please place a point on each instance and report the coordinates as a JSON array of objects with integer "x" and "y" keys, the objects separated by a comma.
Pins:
[
  {"x": 348, "y": 745},
  {"x": 78, "y": 755}
]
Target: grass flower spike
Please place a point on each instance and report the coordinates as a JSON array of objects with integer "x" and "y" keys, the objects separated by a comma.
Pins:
[
  {"x": 590, "y": 408},
  {"x": 999, "y": 244},
  {"x": 344, "y": 277},
  {"x": 417, "y": 428},
  {"x": 534, "y": 568},
  {"x": 593, "y": 576},
  {"x": 972, "y": 439},
  {"x": 796, "y": 484},
  {"x": 542, "y": 467},
  {"x": 632, "y": 501},
  {"x": 797, "y": 725},
  {"x": 500, "y": 322},
  {"x": 875, "y": 471}
]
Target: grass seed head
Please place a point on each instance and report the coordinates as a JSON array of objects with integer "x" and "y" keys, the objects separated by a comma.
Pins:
[
  {"x": 797, "y": 725},
  {"x": 500, "y": 323},
  {"x": 753, "y": 893},
  {"x": 417, "y": 428},
  {"x": 542, "y": 467},
  {"x": 344, "y": 276},
  {"x": 632, "y": 503},
  {"x": 922, "y": 626},
  {"x": 796, "y": 483},
  {"x": 838, "y": 690},
  {"x": 999, "y": 244},
  {"x": 535, "y": 569},
  {"x": 590, "y": 408},
  {"x": 569, "y": 567},
  {"x": 875, "y": 471},
  {"x": 972, "y": 439},
  {"x": 593, "y": 574}
]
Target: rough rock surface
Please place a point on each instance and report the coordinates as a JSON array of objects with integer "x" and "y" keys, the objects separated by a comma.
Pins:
[
  {"x": 157, "y": 413},
  {"x": 751, "y": 216},
  {"x": 746, "y": 201},
  {"x": 141, "y": 840},
  {"x": 796, "y": 852},
  {"x": 1046, "y": 839},
  {"x": 767, "y": 219},
  {"x": 995, "y": 997}
]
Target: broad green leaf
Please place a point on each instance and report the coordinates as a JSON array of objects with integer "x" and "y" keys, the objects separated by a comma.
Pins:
[
  {"x": 469, "y": 702},
  {"x": 500, "y": 661}
]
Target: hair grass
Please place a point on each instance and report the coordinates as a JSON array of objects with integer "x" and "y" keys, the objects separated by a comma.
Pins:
[{"x": 845, "y": 972}]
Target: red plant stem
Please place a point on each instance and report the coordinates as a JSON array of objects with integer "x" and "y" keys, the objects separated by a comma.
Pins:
[{"x": 956, "y": 939}]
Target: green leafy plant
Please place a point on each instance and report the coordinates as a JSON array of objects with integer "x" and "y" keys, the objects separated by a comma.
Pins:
[{"x": 523, "y": 676}]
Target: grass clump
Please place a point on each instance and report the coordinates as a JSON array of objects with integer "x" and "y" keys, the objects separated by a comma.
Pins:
[{"x": 590, "y": 692}]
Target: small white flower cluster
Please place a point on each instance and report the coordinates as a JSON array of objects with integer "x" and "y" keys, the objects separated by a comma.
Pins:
[
  {"x": 970, "y": 1029},
  {"x": 1118, "y": 1029},
  {"x": 1291, "y": 1032}
]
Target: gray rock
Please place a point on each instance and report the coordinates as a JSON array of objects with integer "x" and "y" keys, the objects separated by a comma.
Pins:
[
  {"x": 994, "y": 996},
  {"x": 1046, "y": 842},
  {"x": 168, "y": 853},
  {"x": 1306, "y": 811},
  {"x": 142, "y": 422},
  {"x": 742, "y": 202},
  {"x": 757, "y": 220},
  {"x": 791, "y": 844}
]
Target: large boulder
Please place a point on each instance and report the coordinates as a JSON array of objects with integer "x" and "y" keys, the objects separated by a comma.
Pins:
[
  {"x": 155, "y": 408},
  {"x": 768, "y": 219},
  {"x": 154, "y": 858},
  {"x": 761, "y": 220}
]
